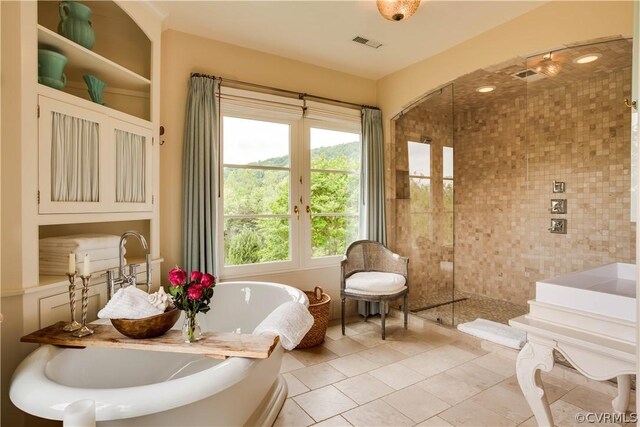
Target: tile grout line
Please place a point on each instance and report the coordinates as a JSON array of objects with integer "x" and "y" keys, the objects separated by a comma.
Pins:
[{"x": 461, "y": 344}]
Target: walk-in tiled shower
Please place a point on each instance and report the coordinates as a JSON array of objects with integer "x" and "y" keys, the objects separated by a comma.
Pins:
[{"x": 473, "y": 166}]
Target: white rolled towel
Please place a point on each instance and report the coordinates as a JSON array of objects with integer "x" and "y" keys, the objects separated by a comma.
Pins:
[
  {"x": 95, "y": 254},
  {"x": 81, "y": 242},
  {"x": 81, "y": 413},
  {"x": 290, "y": 320},
  {"x": 129, "y": 303},
  {"x": 61, "y": 267}
]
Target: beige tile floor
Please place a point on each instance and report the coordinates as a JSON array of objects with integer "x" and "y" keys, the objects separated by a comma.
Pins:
[{"x": 426, "y": 376}]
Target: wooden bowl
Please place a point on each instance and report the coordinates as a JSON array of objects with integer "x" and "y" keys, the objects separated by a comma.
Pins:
[{"x": 149, "y": 327}]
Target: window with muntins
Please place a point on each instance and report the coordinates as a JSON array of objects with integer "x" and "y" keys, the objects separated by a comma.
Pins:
[
  {"x": 420, "y": 188},
  {"x": 290, "y": 183}
]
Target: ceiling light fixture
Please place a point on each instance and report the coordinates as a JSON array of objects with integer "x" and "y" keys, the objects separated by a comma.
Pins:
[
  {"x": 585, "y": 59},
  {"x": 486, "y": 89},
  {"x": 548, "y": 66},
  {"x": 397, "y": 10}
]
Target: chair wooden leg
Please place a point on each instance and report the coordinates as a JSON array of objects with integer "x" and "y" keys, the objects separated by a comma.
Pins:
[
  {"x": 406, "y": 310},
  {"x": 342, "y": 303},
  {"x": 367, "y": 310},
  {"x": 383, "y": 314}
]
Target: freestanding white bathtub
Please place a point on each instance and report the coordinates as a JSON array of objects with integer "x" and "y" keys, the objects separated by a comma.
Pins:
[{"x": 142, "y": 388}]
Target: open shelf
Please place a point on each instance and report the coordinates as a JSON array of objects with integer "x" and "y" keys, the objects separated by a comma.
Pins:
[
  {"x": 83, "y": 61},
  {"x": 96, "y": 276}
]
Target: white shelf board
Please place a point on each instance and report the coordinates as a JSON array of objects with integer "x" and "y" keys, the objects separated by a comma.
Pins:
[
  {"x": 89, "y": 217},
  {"x": 96, "y": 276},
  {"x": 83, "y": 61}
]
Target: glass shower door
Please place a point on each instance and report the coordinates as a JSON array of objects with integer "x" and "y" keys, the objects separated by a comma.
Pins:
[{"x": 424, "y": 183}]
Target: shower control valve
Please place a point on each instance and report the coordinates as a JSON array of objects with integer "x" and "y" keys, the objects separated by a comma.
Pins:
[
  {"x": 558, "y": 206},
  {"x": 558, "y": 226},
  {"x": 558, "y": 187}
]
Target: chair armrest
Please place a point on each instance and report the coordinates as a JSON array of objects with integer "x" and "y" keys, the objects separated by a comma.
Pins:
[{"x": 395, "y": 263}]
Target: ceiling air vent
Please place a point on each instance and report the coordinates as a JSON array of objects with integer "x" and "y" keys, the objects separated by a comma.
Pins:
[
  {"x": 371, "y": 43},
  {"x": 528, "y": 75}
]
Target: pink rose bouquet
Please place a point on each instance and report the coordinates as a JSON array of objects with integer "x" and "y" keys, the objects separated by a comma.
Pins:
[{"x": 192, "y": 294}]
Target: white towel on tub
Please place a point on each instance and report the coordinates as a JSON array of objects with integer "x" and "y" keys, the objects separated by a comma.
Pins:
[
  {"x": 129, "y": 303},
  {"x": 290, "y": 320}
]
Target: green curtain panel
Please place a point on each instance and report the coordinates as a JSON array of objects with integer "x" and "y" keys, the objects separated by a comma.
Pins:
[
  {"x": 373, "y": 174},
  {"x": 199, "y": 180}
]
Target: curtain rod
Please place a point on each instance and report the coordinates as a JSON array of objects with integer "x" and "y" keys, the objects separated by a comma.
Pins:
[{"x": 300, "y": 95}]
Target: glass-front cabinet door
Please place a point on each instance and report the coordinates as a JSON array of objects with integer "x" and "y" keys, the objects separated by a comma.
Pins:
[
  {"x": 132, "y": 157},
  {"x": 91, "y": 162},
  {"x": 71, "y": 155}
]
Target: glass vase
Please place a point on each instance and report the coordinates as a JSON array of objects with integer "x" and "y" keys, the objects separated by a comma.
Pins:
[{"x": 191, "y": 331}]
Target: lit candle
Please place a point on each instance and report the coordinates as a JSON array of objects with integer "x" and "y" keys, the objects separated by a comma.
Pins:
[
  {"x": 86, "y": 271},
  {"x": 72, "y": 263}
]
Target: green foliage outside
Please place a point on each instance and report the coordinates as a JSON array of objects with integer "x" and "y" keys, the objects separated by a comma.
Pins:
[
  {"x": 266, "y": 191},
  {"x": 423, "y": 215}
]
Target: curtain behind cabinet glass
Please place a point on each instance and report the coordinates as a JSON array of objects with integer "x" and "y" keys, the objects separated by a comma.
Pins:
[
  {"x": 74, "y": 159},
  {"x": 130, "y": 167}
]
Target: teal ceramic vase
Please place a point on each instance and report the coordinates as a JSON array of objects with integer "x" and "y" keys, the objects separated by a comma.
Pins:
[
  {"x": 75, "y": 24},
  {"x": 50, "y": 68},
  {"x": 96, "y": 87}
]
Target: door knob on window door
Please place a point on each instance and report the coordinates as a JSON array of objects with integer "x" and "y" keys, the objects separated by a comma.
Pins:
[
  {"x": 630, "y": 104},
  {"x": 296, "y": 211}
]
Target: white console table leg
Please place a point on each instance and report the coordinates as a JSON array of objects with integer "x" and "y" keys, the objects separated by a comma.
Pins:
[
  {"x": 532, "y": 358},
  {"x": 621, "y": 402}
]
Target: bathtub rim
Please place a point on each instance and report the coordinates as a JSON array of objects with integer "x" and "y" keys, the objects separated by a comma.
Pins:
[{"x": 33, "y": 392}]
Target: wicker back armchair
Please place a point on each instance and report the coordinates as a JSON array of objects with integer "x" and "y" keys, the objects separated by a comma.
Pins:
[{"x": 371, "y": 272}]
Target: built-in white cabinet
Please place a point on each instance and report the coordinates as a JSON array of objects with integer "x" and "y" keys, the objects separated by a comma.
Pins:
[
  {"x": 117, "y": 139},
  {"x": 55, "y": 308},
  {"x": 90, "y": 161}
]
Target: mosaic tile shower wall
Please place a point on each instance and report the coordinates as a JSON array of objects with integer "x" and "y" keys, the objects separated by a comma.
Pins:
[{"x": 509, "y": 146}]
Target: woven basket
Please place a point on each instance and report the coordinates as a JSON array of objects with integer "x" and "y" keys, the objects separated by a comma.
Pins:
[{"x": 319, "y": 307}]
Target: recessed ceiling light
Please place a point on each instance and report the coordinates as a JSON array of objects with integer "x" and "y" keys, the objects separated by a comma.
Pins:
[
  {"x": 486, "y": 89},
  {"x": 585, "y": 59}
]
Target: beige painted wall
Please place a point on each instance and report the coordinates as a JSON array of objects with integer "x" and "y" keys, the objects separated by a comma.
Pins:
[
  {"x": 184, "y": 53},
  {"x": 552, "y": 25}
]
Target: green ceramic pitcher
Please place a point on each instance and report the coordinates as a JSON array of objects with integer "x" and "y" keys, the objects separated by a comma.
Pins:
[
  {"x": 75, "y": 24},
  {"x": 50, "y": 68},
  {"x": 95, "y": 86}
]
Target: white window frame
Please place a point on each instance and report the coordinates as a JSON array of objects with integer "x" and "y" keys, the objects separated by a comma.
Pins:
[
  {"x": 259, "y": 106},
  {"x": 340, "y": 126}
]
